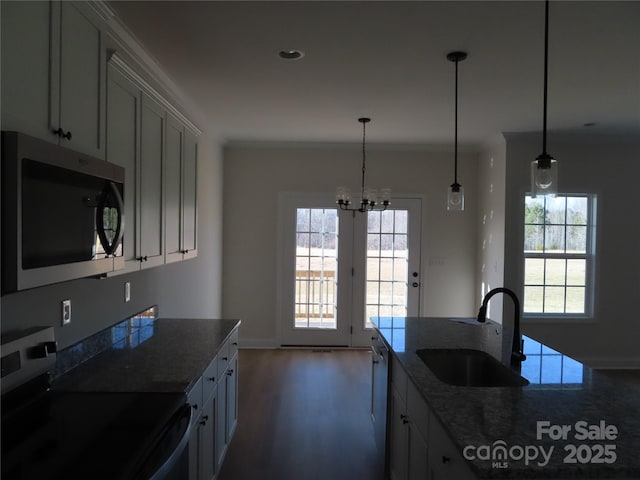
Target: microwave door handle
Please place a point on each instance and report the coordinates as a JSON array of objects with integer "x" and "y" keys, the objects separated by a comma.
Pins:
[{"x": 119, "y": 206}]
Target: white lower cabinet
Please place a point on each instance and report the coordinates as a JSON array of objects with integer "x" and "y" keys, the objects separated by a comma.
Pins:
[
  {"x": 419, "y": 447},
  {"x": 445, "y": 461},
  {"x": 227, "y": 407},
  {"x": 214, "y": 400}
]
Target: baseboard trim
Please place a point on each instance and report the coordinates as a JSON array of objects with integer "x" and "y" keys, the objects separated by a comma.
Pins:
[{"x": 258, "y": 343}]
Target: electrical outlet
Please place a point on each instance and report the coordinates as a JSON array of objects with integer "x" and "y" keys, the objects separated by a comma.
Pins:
[
  {"x": 127, "y": 291},
  {"x": 66, "y": 312}
]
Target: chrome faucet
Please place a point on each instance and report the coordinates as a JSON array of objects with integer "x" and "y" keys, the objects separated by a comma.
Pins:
[{"x": 517, "y": 355}]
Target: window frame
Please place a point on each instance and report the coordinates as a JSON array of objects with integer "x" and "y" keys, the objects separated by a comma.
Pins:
[{"x": 589, "y": 256}]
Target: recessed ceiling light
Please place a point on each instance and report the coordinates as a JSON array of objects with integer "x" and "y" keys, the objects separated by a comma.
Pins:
[{"x": 291, "y": 54}]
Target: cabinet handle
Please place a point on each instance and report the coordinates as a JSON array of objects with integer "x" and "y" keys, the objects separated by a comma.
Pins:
[
  {"x": 143, "y": 259},
  {"x": 61, "y": 133},
  {"x": 235, "y": 344},
  {"x": 204, "y": 419},
  {"x": 230, "y": 372},
  {"x": 375, "y": 362},
  {"x": 404, "y": 419},
  {"x": 184, "y": 251},
  {"x": 212, "y": 379},
  {"x": 225, "y": 358},
  {"x": 194, "y": 406},
  {"x": 445, "y": 459}
]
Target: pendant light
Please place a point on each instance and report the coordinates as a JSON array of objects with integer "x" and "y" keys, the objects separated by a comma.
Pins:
[
  {"x": 455, "y": 196},
  {"x": 544, "y": 169},
  {"x": 368, "y": 196}
]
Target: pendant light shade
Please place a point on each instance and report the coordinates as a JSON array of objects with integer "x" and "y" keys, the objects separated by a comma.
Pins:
[
  {"x": 544, "y": 169},
  {"x": 455, "y": 194}
]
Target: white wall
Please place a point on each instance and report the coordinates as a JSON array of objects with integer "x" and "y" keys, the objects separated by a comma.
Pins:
[
  {"x": 608, "y": 167},
  {"x": 491, "y": 224},
  {"x": 255, "y": 173}
]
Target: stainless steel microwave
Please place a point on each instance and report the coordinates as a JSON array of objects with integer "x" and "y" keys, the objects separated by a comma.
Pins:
[{"x": 62, "y": 214}]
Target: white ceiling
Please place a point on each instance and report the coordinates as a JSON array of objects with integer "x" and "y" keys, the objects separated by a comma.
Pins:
[{"x": 387, "y": 60}]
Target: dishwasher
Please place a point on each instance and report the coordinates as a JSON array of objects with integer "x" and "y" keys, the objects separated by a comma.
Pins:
[{"x": 379, "y": 390}]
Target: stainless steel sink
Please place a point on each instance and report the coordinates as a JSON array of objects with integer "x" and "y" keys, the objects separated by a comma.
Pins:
[{"x": 470, "y": 368}]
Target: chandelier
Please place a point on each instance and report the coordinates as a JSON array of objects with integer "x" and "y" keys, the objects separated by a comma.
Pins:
[{"x": 368, "y": 196}]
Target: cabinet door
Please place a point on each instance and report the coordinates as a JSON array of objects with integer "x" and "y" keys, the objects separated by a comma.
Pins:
[
  {"x": 190, "y": 196},
  {"x": 78, "y": 102},
  {"x": 221, "y": 425},
  {"x": 232, "y": 398},
  {"x": 123, "y": 120},
  {"x": 207, "y": 439},
  {"x": 418, "y": 455},
  {"x": 173, "y": 189},
  {"x": 445, "y": 461},
  {"x": 25, "y": 67},
  {"x": 194, "y": 452},
  {"x": 398, "y": 438},
  {"x": 150, "y": 224}
]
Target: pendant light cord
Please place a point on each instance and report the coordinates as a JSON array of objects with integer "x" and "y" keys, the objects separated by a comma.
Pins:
[
  {"x": 364, "y": 155},
  {"x": 455, "y": 148},
  {"x": 546, "y": 61}
]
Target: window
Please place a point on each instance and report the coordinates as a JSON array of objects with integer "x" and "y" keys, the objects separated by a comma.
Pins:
[
  {"x": 558, "y": 255},
  {"x": 316, "y": 267},
  {"x": 387, "y": 264}
]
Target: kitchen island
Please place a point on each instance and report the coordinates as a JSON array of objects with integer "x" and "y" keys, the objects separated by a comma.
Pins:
[{"x": 570, "y": 421}]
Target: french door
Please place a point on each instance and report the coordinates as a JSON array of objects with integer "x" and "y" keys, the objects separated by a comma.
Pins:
[{"x": 337, "y": 269}]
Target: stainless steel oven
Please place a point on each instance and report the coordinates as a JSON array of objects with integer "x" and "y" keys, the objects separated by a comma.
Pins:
[{"x": 101, "y": 436}]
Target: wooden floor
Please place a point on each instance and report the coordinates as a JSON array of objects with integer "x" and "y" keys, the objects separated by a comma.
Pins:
[{"x": 303, "y": 414}]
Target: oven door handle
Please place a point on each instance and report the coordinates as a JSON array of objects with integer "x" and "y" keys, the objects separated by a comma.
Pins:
[{"x": 162, "y": 471}]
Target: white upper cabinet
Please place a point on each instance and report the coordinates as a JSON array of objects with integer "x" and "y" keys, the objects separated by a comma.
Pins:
[
  {"x": 53, "y": 73},
  {"x": 26, "y": 33},
  {"x": 78, "y": 100},
  {"x": 123, "y": 128},
  {"x": 181, "y": 191},
  {"x": 151, "y": 186},
  {"x": 190, "y": 196},
  {"x": 173, "y": 188}
]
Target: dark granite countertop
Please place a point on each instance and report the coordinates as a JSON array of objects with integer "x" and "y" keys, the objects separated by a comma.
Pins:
[
  {"x": 166, "y": 355},
  {"x": 562, "y": 392}
]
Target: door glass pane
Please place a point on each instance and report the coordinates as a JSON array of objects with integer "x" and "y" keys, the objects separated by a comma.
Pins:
[
  {"x": 316, "y": 268},
  {"x": 387, "y": 264}
]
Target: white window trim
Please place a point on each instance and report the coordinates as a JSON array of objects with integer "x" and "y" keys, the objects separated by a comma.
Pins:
[{"x": 557, "y": 317}]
